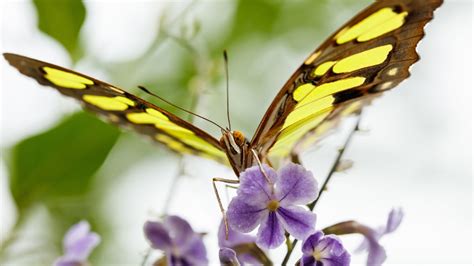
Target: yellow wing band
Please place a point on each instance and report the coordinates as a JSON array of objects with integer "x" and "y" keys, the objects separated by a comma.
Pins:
[
  {"x": 390, "y": 25},
  {"x": 368, "y": 58},
  {"x": 293, "y": 134},
  {"x": 117, "y": 103},
  {"x": 161, "y": 121},
  {"x": 312, "y": 99},
  {"x": 307, "y": 93},
  {"x": 173, "y": 144},
  {"x": 196, "y": 142},
  {"x": 383, "y": 21},
  {"x": 323, "y": 68},
  {"x": 307, "y": 110},
  {"x": 66, "y": 79},
  {"x": 152, "y": 116}
]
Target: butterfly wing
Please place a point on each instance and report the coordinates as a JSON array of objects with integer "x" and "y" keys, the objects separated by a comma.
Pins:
[
  {"x": 122, "y": 108},
  {"x": 370, "y": 54}
]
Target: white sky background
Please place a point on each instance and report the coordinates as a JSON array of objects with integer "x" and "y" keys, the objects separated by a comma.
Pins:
[{"x": 417, "y": 154}]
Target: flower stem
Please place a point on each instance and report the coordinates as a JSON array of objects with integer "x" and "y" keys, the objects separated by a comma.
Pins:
[{"x": 326, "y": 182}]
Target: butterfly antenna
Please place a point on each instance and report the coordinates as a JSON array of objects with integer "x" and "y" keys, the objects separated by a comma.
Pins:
[
  {"x": 226, "y": 61},
  {"x": 180, "y": 108}
]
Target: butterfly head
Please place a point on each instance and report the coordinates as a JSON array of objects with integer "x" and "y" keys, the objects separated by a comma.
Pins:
[{"x": 233, "y": 141}]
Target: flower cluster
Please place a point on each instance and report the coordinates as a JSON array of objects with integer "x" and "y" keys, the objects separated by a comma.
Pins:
[
  {"x": 319, "y": 249},
  {"x": 270, "y": 202},
  {"x": 175, "y": 237}
]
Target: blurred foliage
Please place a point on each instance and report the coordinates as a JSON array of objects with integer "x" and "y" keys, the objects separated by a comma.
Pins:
[
  {"x": 59, "y": 168},
  {"x": 59, "y": 163},
  {"x": 62, "y": 20}
]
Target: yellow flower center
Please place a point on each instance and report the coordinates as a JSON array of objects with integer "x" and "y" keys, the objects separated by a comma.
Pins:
[
  {"x": 273, "y": 205},
  {"x": 317, "y": 255}
]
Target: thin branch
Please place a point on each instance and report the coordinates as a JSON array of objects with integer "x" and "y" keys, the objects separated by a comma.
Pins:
[
  {"x": 194, "y": 95},
  {"x": 169, "y": 198},
  {"x": 326, "y": 182},
  {"x": 145, "y": 258},
  {"x": 336, "y": 162},
  {"x": 174, "y": 186}
]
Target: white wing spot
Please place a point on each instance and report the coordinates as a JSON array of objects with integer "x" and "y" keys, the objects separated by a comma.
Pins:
[
  {"x": 392, "y": 72},
  {"x": 385, "y": 86}
]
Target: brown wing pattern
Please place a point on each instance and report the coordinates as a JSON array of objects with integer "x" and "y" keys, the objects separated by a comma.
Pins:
[
  {"x": 122, "y": 108},
  {"x": 370, "y": 54}
]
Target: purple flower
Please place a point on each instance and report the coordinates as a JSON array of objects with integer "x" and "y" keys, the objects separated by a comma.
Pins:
[
  {"x": 272, "y": 203},
  {"x": 78, "y": 244},
  {"x": 376, "y": 253},
  {"x": 228, "y": 257},
  {"x": 174, "y": 236},
  {"x": 320, "y": 250}
]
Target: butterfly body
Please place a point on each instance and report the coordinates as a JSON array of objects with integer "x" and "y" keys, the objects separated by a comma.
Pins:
[
  {"x": 368, "y": 55},
  {"x": 238, "y": 150}
]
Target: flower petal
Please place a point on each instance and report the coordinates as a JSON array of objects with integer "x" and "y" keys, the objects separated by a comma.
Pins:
[
  {"x": 243, "y": 217},
  {"x": 64, "y": 261},
  {"x": 295, "y": 185},
  {"x": 234, "y": 237},
  {"x": 308, "y": 261},
  {"x": 75, "y": 233},
  {"x": 298, "y": 221},
  {"x": 327, "y": 250},
  {"x": 311, "y": 242},
  {"x": 394, "y": 219},
  {"x": 254, "y": 187},
  {"x": 334, "y": 252},
  {"x": 228, "y": 257},
  {"x": 377, "y": 254},
  {"x": 83, "y": 247},
  {"x": 195, "y": 251},
  {"x": 245, "y": 242},
  {"x": 179, "y": 230},
  {"x": 270, "y": 233},
  {"x": 158, "y": 235}
]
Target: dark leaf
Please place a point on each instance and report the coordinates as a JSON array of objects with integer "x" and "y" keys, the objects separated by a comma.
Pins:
[{"x": 61, "y": 162}]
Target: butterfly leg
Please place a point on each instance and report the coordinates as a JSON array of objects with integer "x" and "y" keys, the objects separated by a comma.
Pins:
[
  {"x": 221, "y": 207},
  {"x": 232, "y": 187},
  {"x": 259, "y": 163}
]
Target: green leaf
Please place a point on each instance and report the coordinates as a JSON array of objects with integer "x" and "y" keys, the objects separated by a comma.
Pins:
[
  {"x": 62, "y": 20},
  {"x": 255, "y": 17},
  {"x": 61, "y": 162}
]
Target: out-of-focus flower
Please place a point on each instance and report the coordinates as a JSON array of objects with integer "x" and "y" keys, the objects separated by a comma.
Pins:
[
  {"x": 376, "y": 253},
  {"x": 248, "y": 252},
  {"x": 321, "y": 250},
  {"x": 174, "y": 236},
  {"x": 228, "y": 257},
  {"x": 272, "y": 203},
  {"x": 233, "y": 237},
  {"x": 78, "y": 244}
]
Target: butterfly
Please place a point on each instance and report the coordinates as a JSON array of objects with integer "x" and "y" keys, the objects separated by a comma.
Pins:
[{"x": 367, "y": 56}]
